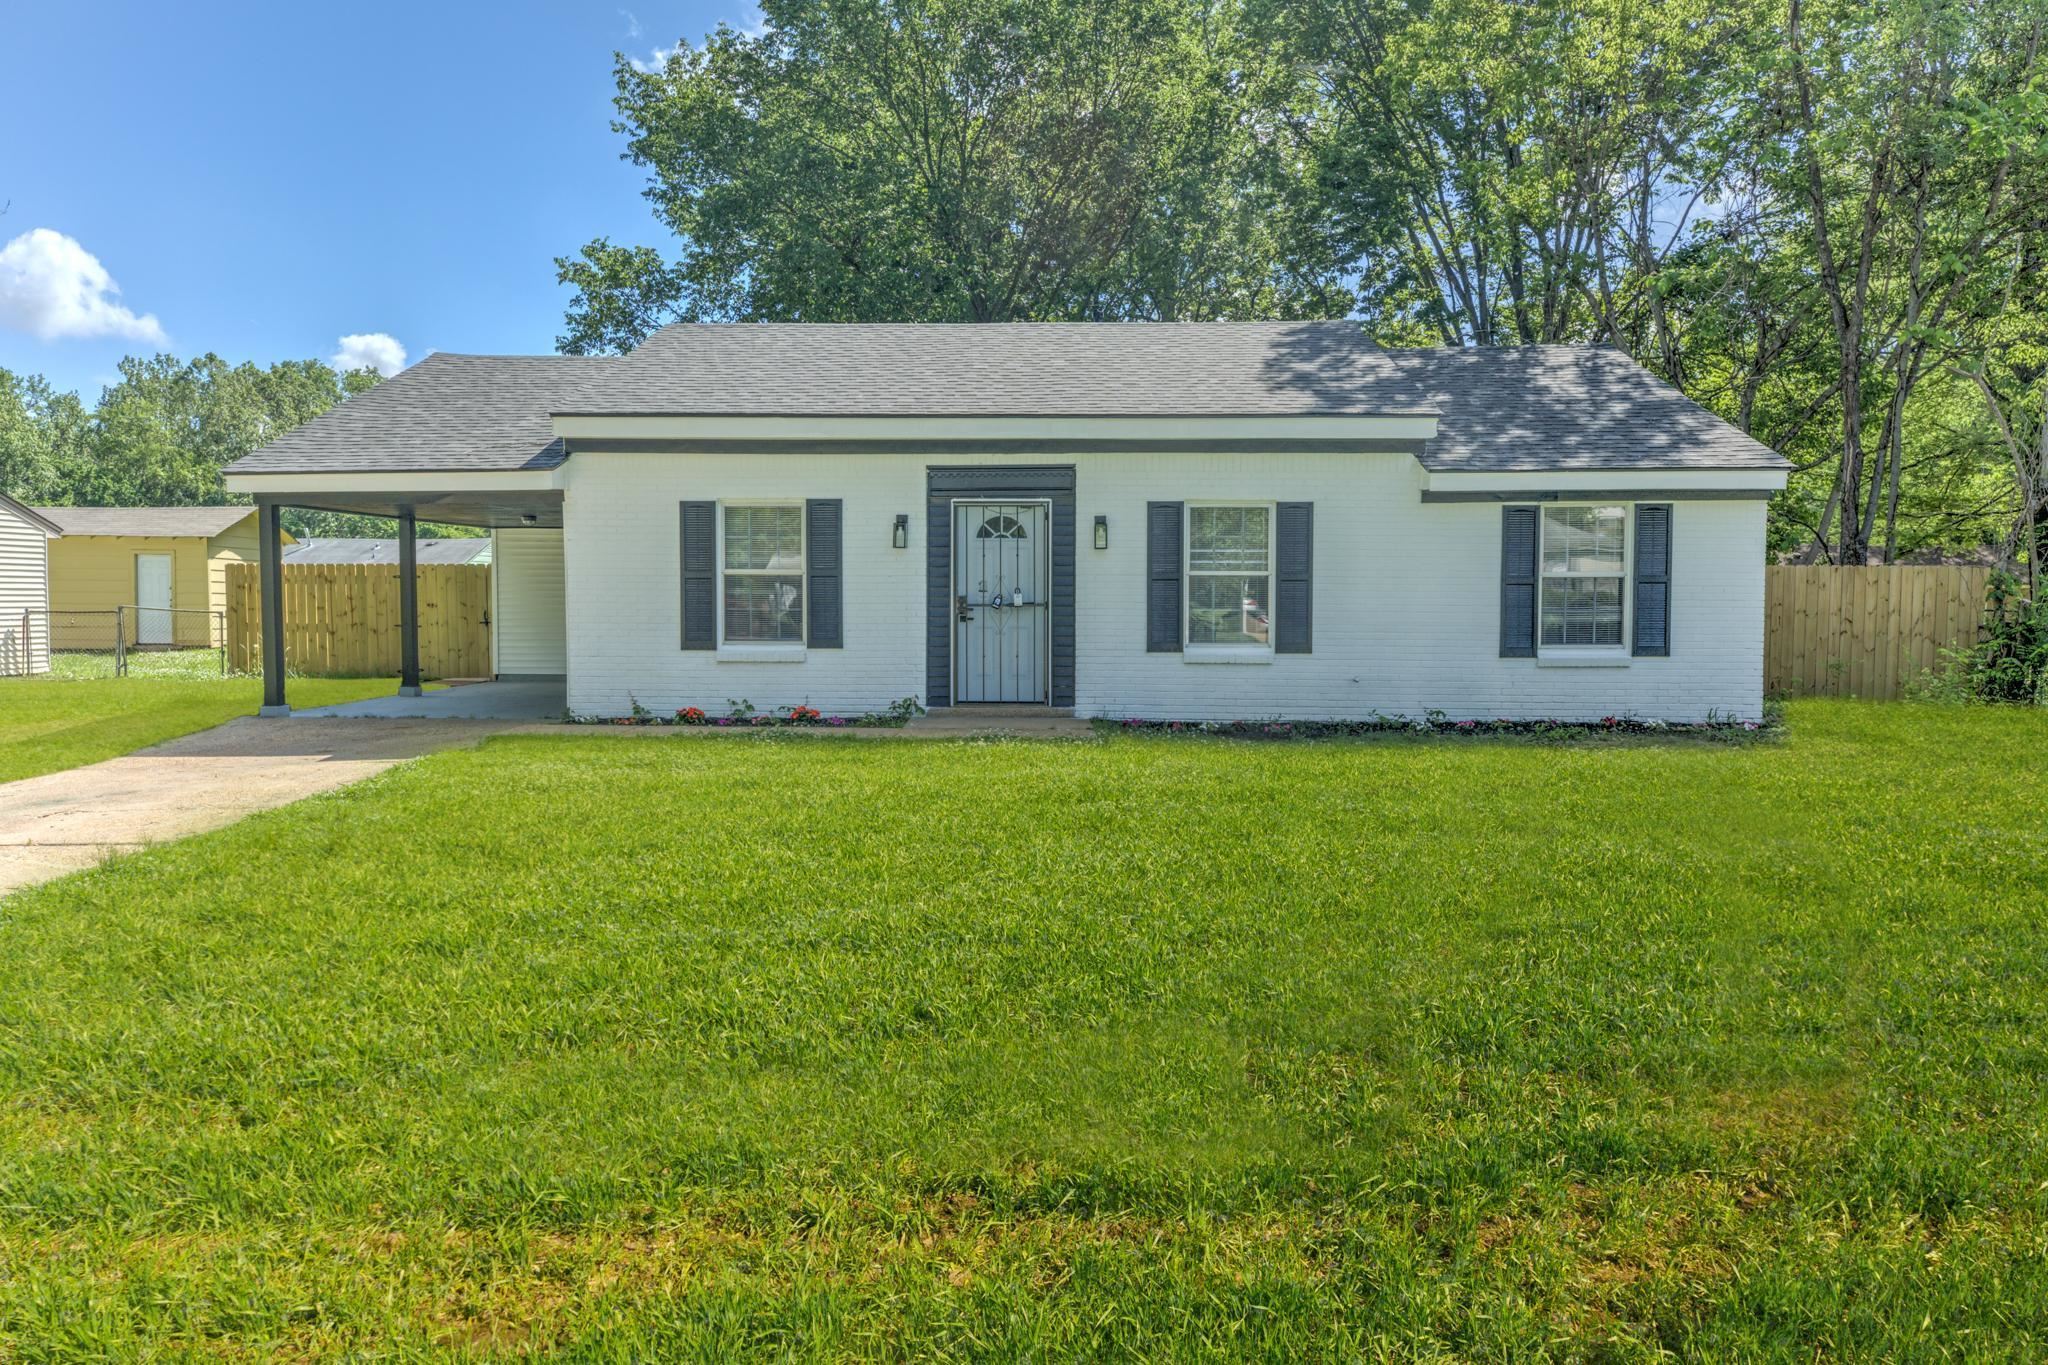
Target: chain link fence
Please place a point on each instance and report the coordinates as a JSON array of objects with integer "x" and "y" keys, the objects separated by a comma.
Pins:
[{"x": 125, "y": 642}]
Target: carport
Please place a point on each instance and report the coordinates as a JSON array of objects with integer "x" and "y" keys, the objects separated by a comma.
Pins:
[
  {"x": 502, "y": 699},
  {"x": 463, "y": 439},
  {"x": 512, "y": 501}
]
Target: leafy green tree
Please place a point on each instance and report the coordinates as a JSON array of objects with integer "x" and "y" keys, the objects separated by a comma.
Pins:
[
  {"x": 42, "y": 439},
  {"x": 1504, "y": 173},
  {"x": 1907, "y": 135},
  {"x": 163, "y": 432},
  {"x": 959, "y": 160}
]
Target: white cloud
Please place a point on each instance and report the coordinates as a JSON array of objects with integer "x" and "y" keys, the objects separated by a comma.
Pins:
[
  {"x": 51, "y": 287},
  {"x": 655, "y": 61},
  {"x": 752, "y": 23},
  {"x": 377, "y": 351}
]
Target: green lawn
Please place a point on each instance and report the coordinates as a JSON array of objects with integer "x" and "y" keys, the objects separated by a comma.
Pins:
[
  {"x": 672, "y": 1047},
  {"x": 52, "y": 723}
]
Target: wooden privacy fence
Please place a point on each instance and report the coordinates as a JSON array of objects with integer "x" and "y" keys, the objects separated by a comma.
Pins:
[
  {"x": 1865, "y": 632},
  {"x": 341, "y": 620}
]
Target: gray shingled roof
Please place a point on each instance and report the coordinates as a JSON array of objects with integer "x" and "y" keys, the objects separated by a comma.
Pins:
[
  {"x": 145, "y": 521},
  {"x": 1534, "y": 407},
  {"x": 1568, "y": 407},
  {"x": 1028, "y": 369},
  {"x": 449, "y": 412},
  {"x": 368, "y": 550}
]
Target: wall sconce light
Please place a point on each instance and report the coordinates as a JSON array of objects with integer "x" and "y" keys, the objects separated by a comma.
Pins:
[
  {"x": 1102, "y": 533},
  {"x": 528, "y": 519},
  {"x": 900, "y": 537}
]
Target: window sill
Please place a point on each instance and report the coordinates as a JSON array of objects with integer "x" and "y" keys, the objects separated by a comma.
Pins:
[
  {"x": 1602, "y": 659},
  {"x": 1226, "y": 654},
  {"x": 761, "y": 654}
]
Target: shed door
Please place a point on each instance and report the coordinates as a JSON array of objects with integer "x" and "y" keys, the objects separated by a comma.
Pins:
[
  {"x": 1002, "y": 609},
  {"x": 152, "y": 599}
]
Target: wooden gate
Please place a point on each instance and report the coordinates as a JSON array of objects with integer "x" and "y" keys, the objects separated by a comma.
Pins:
[
  {"x": 341, "y": 620},
  {"x": 1865, "y": 632}
]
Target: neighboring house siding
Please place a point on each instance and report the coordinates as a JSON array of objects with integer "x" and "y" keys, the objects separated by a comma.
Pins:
[
  {"x": 238, "y": 544},
  {"x": 97, "y": 573},
  {"x": 24, "y": 591},
  {"x": 1406, "y": 595},
  {"x": 526, "y": 603},
  {"x": 91, "y": 573}
]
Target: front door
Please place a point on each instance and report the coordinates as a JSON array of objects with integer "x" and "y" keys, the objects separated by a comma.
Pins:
[
  {"x": 153, "y": 599},
  {"x": 1002, "y": 608}
]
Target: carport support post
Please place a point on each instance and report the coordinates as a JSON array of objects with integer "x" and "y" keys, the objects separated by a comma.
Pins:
[
  {"x": 270, "y": 558},
  {"x": 409, "y": 604}
]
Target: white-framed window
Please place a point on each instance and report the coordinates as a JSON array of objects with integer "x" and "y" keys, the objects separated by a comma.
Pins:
[
  {"x": 761, "y": 555},
  {"x": 1583, "y": 579},
  {"x": 1230, "y": 576}
]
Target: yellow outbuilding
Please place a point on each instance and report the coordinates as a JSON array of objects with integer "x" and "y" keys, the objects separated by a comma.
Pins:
[{"x": 167, "y": 566}]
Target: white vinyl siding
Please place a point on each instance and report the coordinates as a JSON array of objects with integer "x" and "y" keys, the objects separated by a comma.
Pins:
[
  {"x": 529, "y": 634},
  {"x": 24, "y": 589}
]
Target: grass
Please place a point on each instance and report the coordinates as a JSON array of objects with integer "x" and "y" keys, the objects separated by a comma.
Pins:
[
  {"x": 82, "y": 665},
  {"x": 54, "y": 722},
  {"x": 673, "y": 1048}
]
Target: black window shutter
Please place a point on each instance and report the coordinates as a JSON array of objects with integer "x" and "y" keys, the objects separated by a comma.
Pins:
[
  {"x": 822, "y": 558},
  {"x": 1294, "y": 555},
  {"x": 1517, "y": 582},
  {"x": 700, "y": 575},
  {"x": 1653, "y": 579},
  {"x": 1162, "y": 574}
]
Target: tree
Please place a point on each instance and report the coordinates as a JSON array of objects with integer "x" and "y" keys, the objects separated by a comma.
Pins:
[
  {"x": 163, "y": 432},
  {"x": 42, "y": 439},
  {"x": 959, "y": 160},
  {"x": 1810, "y": 215},
  {"x": 1899, "y": 130},
  {"x": 1507, "y": 173}
]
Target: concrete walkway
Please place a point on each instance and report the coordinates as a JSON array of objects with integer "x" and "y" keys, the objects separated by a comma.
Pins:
[
  {"x": 534, "y": 699},
  {"x": 65, "y": 821}
]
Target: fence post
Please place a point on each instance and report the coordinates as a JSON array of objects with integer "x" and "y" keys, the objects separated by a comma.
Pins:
[{"x": 120, "y": 643}]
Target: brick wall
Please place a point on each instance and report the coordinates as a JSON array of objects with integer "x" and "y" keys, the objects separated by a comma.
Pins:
[{"x": 1406, "y": 596}]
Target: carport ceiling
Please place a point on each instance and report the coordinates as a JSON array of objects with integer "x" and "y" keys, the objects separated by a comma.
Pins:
[{"x": 507, "y": 509}]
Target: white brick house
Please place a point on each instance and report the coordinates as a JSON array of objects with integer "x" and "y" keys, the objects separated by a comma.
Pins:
[{"x": 1185, "y": 521}]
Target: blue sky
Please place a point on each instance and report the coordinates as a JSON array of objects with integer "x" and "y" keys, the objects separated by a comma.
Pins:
[{"x": 262, "y": 180}]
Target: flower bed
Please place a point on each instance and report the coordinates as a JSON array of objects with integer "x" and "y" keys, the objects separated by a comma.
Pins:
[
  {"x": 742, "y": 714},
  {"x": 1436, "y": 723}
]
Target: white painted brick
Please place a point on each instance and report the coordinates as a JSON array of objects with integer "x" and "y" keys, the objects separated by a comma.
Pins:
[{"x": 1407, "y": 596}]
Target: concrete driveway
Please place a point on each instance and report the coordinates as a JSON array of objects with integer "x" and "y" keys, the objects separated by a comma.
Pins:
[{"x": 62, "y": 822}]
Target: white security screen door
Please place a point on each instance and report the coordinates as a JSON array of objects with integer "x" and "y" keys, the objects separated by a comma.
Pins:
[
  {"x": 153, "y": 599},
  {"x": 1002, "y": 612}
]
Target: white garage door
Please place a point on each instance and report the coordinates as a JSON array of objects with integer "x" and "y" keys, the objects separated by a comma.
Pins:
[{"x": 530, "y": 635}]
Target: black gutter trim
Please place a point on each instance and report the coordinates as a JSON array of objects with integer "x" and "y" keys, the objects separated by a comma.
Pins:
[
  {"x": 1039, "y": 414},
  {"x": 994, "y": 446},
  {"x": 1603, "y": 495}
]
